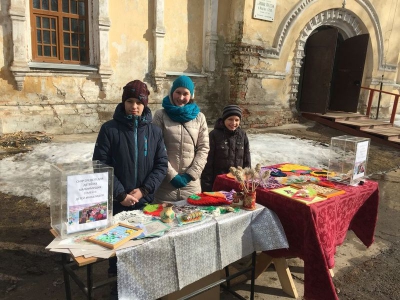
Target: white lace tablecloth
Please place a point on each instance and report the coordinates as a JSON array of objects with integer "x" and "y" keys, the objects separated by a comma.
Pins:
[{"x": 190, "y": 252}]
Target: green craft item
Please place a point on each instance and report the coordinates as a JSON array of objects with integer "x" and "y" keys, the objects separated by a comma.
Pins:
[
  {"x": 208, "y": 208},
  {"x": 194, "y": 197},
  {"x": 151, "y": 207}
]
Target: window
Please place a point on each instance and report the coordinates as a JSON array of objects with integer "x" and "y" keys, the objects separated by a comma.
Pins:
[{"x": 60, "y": 31}]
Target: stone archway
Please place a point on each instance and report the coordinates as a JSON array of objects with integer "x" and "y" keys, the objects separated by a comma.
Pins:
[{"x": 347, "y": 24}]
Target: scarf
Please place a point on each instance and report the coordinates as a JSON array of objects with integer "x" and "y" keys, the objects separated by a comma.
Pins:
[{"x": 180, "y": 114}]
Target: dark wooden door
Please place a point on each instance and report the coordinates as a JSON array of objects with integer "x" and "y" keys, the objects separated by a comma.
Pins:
[
  {"x": 318, "y": 65},
  {"x": 350, "y": 60}
]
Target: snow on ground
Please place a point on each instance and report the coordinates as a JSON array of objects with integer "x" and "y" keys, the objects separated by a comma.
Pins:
[{"x": 28, "y": 174}]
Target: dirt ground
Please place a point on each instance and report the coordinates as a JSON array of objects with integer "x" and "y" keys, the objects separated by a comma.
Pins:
[{"x": 28, "y": 271}]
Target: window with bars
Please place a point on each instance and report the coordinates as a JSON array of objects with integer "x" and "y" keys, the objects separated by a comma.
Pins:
[{"x": 60, "y": 31}]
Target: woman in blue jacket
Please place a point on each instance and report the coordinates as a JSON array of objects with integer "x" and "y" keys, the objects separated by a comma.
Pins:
[{"x": 134, "y": 148}]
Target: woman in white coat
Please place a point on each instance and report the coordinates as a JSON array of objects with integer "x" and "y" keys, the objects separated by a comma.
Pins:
[{"x": 185, "y": 133}]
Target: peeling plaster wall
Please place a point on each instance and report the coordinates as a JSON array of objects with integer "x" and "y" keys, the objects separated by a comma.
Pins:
[
  {"x": 252, "y": 68},
  {"x": 184, "y": 36},
  {"x": 75, "y": 103}
]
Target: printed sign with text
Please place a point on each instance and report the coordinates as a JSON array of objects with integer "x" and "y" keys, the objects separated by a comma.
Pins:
[{"x": 87, "y": 201}]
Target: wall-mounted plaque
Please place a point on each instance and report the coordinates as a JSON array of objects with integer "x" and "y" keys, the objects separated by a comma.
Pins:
[{"x": 264, "y": 9}]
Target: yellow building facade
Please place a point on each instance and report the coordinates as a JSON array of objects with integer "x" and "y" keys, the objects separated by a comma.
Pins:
[{"x": 64, "y": 62}]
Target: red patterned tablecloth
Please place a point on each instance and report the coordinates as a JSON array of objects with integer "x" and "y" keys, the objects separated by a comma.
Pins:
[{"x": 313, "y": 231}]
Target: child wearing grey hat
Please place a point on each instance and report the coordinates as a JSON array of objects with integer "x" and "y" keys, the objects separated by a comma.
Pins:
[{"x": 229, "y": 147}]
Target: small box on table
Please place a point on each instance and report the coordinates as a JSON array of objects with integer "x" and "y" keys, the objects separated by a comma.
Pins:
[
  {"x": 81, "y": 197},
  {"x": 348, "y": 159}
]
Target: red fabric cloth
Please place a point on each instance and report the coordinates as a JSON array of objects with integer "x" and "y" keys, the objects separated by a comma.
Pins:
[{"x": 314, "y": 231}]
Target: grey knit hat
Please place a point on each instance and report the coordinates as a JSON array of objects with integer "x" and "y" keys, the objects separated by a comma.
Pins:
[{"x": 231, "y": 110}]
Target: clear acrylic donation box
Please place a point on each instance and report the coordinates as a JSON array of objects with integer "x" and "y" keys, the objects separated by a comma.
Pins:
[
  {"x": 348, "y": 159},
  {"x": 81, "y": 197}
]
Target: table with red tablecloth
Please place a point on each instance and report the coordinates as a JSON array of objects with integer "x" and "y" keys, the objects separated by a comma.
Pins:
[{"x": 313, "y": 231}]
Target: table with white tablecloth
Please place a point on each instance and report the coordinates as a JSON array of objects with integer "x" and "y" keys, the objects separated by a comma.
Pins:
[{"x": 190, "y": 252}]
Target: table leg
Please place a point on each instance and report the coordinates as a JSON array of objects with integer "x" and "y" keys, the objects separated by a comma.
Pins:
[
  {"x": 228, "y": 282},
  {"x": 281, "y": 267},
  {"x": 263, "y": 262},
  {"x": 89, "y": 277},
  {"x": 253, "y": 274},
  {"x": 285, "y": 277},
  {"x": 64, "y": 260},
  {"x": 332, "y": 273}
]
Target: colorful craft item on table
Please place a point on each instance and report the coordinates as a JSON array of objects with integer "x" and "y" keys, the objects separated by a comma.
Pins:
[
  {"x": 278, "y": 173},
  {"x": 189, "y": 218},
  {"x": 302, "y": 172},
  {"x": 228, "y": 195},
  {"x": 320, "y": 190},
  {"x": 293, "y": 168},
  {"x": 219, "y": 194},
  {"x": 208, "y": 198},
  {"x": 305, "y": 194},
  {"x": 322, "y": 173},
  {"x": 167, "y": 215},
  {"x": 293, "y": 179},
  {"x": 196, "y": 215},
  {"x": 230, "y": 175},
  {"x": 153, "y": 209},
  {"x": 216, "y": 211},
  {"x": 326, "y": 184},
  {"x": 299, "y": 195},
  {"x": 271, "y": 183},
  {"x": 116, "y": 235}
]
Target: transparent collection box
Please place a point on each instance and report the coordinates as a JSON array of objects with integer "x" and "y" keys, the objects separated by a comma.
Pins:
[
  {"x": 348, "y": 159},
  {"x": 81, "y": 198}
]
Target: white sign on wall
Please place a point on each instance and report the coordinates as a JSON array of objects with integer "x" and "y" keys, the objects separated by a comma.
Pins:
[{"x": 264, "y": 9}]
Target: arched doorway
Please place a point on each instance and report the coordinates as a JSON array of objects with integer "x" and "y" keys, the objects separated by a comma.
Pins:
[{"x": 332, "y": 71}]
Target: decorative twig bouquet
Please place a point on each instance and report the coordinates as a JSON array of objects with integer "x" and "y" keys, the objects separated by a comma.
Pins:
[{"x": 250, "y": 179}]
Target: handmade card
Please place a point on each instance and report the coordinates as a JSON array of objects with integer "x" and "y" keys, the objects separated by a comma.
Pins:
[
  {"x": 116, "y": 235},
  {"x": 322, "y": 191},
  {"x": 296, "y": 194}
]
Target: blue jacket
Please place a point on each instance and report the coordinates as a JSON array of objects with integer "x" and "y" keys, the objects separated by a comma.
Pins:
[{"x": 135, "y": 149}]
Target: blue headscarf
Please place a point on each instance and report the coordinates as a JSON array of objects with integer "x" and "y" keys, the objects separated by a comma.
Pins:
[{"x": 181, "y": 114}]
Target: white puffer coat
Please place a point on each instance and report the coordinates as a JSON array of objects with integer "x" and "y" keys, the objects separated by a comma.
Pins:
[{"x": 182, "y": 157}]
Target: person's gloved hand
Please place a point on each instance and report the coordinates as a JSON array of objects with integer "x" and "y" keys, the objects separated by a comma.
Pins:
[{"x": 180, "y": 181}]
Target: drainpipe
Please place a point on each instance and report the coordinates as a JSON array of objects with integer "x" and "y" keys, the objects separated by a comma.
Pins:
[{"x": 379, "y": 99}]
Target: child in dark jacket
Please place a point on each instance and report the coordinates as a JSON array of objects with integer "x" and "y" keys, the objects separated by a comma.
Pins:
[
  {"x": 135, "y": 148},
  {"x": 229, "y": 147}
]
